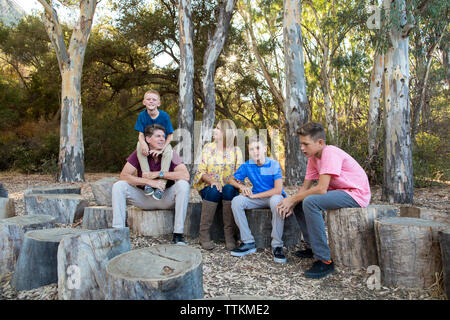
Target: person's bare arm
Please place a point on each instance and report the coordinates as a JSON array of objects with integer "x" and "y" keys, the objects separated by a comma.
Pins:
[
  {"x": 285, "y": 207},
  {"x": 129, "y": 174},
  {"x": 179, "y": 173},
  {"x": 143, "y": 144},
  {"x": 246, "y": 191},
  {"x": 277, "y": 189}
]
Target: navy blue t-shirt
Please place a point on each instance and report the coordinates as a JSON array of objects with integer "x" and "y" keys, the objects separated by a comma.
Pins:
[{"x": 144, "y": 120}]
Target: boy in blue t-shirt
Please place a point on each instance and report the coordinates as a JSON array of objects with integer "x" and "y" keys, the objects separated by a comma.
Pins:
[
  {"x": 149, "y": 116},
  {"x": 265, "y": 175}
]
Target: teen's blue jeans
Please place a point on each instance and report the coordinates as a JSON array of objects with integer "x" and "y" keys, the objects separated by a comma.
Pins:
[
  {"x": 309, "y": 216},
  {"x": 213, "y": 195}
]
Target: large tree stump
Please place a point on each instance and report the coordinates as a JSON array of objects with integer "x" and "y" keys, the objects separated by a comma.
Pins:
[
  {"x": 166, "y": 272},
  {"x": 102, "y": 190},
  {"x": 351, "y": 234},
  {"x": 192, "y": 222},
  {"x": 150, "y": 222},
  {"x": 7, "y": 208},
  {"x": 98, "y": 217},
  {"x": 36, "y": 266},
  {"x": 53, "y": 189},
  {"x": 425, "y": 213},
  {"x": 82, "y": 260},
  {"x": 260, "y": 224},
  {"x": 65, "y": 207},
  {"x": 12, "y": 232},
  {"x": 444, "y": 241},
  {"x": 408, "y": 250}
]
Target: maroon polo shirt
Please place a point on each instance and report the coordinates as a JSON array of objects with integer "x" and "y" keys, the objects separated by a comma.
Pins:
[{"x": 155, "y": 165}]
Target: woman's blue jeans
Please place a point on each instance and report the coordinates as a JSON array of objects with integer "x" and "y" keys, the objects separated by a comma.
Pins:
[{"x": 213, "y": 195}]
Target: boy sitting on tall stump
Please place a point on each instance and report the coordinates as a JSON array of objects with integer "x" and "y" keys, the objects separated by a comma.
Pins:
[{"x": 342, "y": 183}]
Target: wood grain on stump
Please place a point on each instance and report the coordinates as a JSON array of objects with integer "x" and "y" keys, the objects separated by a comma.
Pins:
[
  {"x": 351, "y": 234},
  {"x": 260, "y": 224},
  {"x": 98, "y": 217},
  {"x": 444, "y": 241},
  {"x": 82, "y": 260},
  {"x": 7, "y": 208},
  {"x": 65, "y": 207},
  {"x": 102, "y": 190},
  {"x": 53, "y": 189},
  {"x": 408, "y": 250},
  {"x": 166, "y": 272},
  {"x": 150, "y": 222},
  {"x": 12, "y": 231},
  {"x": 424, "y": 213},
  {"x": 37, "y": 263}
]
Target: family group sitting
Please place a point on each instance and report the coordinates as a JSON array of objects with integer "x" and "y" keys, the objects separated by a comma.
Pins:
[{"x": 155, "y": 177}]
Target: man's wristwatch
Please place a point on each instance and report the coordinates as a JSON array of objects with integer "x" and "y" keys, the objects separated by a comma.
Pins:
[{"x": 161, "y": 174}]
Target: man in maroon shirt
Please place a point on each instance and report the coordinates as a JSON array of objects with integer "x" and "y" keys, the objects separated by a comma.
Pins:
[{"x": 130, "y": 188}]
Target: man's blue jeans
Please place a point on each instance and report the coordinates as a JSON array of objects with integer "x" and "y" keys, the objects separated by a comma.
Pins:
[
  {"x": 213, "y": 195},
  {"x": 309, "y": 216}
]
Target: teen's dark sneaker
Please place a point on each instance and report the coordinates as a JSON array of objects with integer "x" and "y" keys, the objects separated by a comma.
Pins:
[
  {"x": 307, "y": 253},
  {"x": 178, "y": 239},
  {"x": 319, "y": 270},
  {"x": 158, "y": 194},
  {"x": 148, "y": 191},
  {"x": 244, "y": 249},
  {"x": 278, "y": 255}
]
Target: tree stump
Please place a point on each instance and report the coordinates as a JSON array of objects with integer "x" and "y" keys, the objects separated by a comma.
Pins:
[
  {"x": 408, "y": 250},
  {"x": 36, "y": 266},
  {"x": 444, "y": 241},
  {"x": 192, "y": 222},
  {"x": 53, "y": 189},
  {"x": 65, "y": 207},
  {"x": 7, "y": 208},
  {"x": 424, "y": 213},
  {"x": 351, "y": 234},
  {"x": 150, "y": 222},
  {"x": 82, "y": 260},
  {"x": 165, "y": 272},
  {"x": 12, "y": 232},
  {"x": 260, "y": 224},
  {"x": 102, "y": 190},
  {"x": 98, "y": 217}
]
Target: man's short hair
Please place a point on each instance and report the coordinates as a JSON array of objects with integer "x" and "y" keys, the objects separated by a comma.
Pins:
[
  {"x": 150, "y": 129},
  {"x": 154, "y": 92},
  {"x": 312, "y": 129},
  {"x": 256, "y": 138}
]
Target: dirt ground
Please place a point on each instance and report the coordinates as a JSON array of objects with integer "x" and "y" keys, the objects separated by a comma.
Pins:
[{"x": 256, "y": 274}]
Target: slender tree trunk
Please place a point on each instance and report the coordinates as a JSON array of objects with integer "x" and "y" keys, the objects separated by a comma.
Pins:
[
  {"x": 398, "y": 171},
  {"x": 376, "y": 81},
  {"x": 70, "y": 61},
  {"x": 213, "y": 51},
  {"x": 296, "y": 102},
  {"x": 186, "y": 80}
]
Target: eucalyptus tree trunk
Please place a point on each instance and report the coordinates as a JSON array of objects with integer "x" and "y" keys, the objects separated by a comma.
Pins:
[
  {"x": 70, "y": 61},
  {"x": 213, "y": 51},
  {"x": 186, "y": 79},
  {"x": 376, "y": 81},
  {"x": 296, "y": 102},
  {"x": 398, "y": 170}
]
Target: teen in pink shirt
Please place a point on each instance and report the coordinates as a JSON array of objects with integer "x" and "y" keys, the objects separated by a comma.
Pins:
[{"x": 342, "y": 183}]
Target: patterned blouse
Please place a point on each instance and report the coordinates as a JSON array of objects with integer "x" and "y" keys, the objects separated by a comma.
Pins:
[{"x": 221, "y": 165}]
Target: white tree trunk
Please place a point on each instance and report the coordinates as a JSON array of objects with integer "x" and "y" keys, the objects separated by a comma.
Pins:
[
  {"x": 296, "y": 102},
  {"x": 376, "y": 81},
  {"x": 71, "y": 150},
  {"x": 186, "y": 79},
  {"x": 213, "y": 51},
  {"x": 398, "y": 170}
]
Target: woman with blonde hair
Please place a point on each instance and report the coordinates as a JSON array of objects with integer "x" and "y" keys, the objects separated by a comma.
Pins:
[{"x": 220, "y": 159}]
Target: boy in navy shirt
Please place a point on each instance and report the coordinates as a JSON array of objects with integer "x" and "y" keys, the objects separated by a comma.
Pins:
[
  {"x": 265, "y": 175},
  {"x": 151, "y": 115}
]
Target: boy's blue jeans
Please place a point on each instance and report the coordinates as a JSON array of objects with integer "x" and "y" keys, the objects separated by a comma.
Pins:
[
  {"x": 309, "y": 216},
  {"x": 213, "y": 195}
]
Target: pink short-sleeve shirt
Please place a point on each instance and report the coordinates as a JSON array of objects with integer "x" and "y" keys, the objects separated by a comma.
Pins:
[{"x": 346, "y": 173}]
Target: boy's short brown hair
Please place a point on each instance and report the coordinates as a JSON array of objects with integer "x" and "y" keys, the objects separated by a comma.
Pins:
[
  {"x": 312, "y": 129},
  {"x": 154, "y": 92},
  {"x": 256, "y": 138}
]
